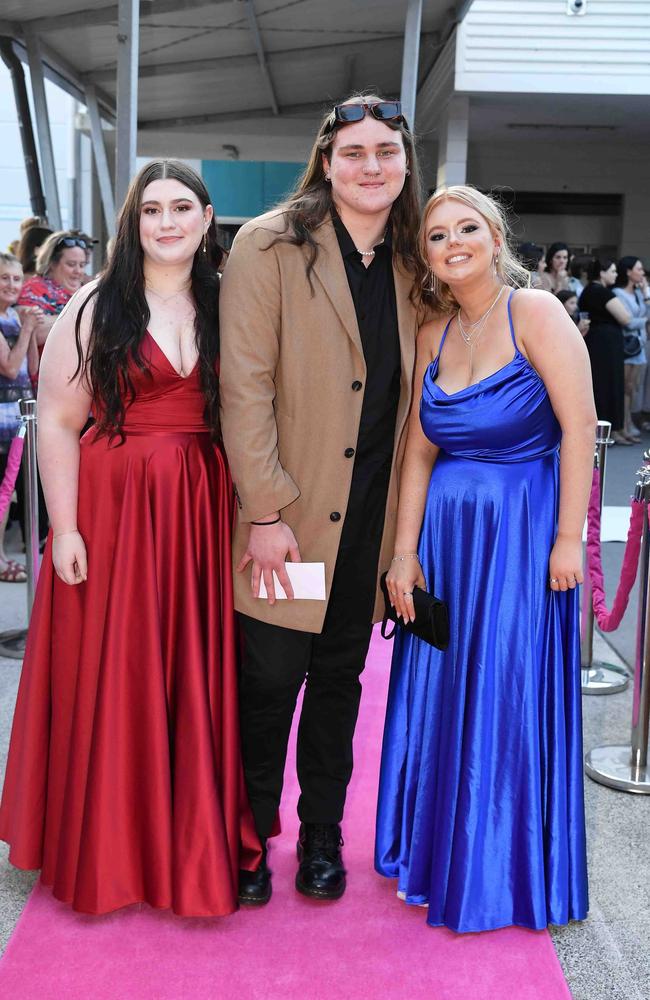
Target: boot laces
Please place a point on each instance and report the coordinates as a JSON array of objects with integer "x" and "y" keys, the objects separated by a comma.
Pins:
[{"x": 324, "y": 838}]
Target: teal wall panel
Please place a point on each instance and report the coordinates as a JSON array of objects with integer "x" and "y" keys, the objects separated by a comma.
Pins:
[{"x": 244, "y": 189}]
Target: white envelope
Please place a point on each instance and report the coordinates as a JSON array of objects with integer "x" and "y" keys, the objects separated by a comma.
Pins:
[{"x": 307, "y": 580}]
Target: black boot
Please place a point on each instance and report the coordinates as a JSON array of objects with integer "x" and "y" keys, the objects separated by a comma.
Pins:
[
  {"x": 321, "y": 874},
  {"x": 255, "y": 887}
]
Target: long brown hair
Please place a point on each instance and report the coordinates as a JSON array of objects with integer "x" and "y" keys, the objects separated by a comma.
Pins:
[
  {"x": 30, "y": 242},
  {"x": 121, "y": 314},
  {"x": 311, "y": 201}
]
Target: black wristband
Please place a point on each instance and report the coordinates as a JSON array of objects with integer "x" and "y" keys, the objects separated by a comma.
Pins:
[{"x": 261, "y": 524}]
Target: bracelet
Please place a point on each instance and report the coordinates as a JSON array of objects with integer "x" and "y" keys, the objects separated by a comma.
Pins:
[
  {"x": 72, "y": 531},
  {"x": 405, "y": 555},
  {"x": 261, "y": 524}
]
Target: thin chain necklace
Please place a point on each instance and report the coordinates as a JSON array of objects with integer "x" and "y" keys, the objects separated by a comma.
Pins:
[
  {"x": 470, "y": 334},
  {"x": 473, "y": 331},
  {"x": 168, "y": 298}
]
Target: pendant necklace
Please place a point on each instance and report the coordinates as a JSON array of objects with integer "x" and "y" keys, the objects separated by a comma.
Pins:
[{"x": 470, "y": 334}]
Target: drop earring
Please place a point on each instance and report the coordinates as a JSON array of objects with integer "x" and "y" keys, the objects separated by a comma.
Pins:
[
  {"x": 205, "y": 243},
  {"x": 434, "y": 284}
]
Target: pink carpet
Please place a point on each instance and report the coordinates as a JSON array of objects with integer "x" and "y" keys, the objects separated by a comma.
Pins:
[{"x": 368, "y": 946}]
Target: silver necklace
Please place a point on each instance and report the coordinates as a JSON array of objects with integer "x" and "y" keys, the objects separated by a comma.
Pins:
[
  {"x": 466, "y": 331},
  {"x": 168, "y": 298},
  {"x": 470, "y": 334}
]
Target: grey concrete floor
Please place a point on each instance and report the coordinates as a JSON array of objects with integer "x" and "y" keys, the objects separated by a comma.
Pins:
[
  {"x": 622, "y": 463},
  {"x": 607, "y": 957}
]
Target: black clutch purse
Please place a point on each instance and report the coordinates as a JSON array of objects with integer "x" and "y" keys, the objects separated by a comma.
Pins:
[{"x": 431, "y": 617}]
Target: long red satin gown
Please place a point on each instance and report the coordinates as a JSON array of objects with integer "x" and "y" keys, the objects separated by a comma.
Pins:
[{"x": 124, "y": 781}]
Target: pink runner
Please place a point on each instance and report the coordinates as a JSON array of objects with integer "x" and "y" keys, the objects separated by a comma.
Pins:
[{"x": 368, "y": 946}]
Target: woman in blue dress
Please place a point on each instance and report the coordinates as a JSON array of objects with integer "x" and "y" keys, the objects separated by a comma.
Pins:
[{"x": 481, "y": 813}]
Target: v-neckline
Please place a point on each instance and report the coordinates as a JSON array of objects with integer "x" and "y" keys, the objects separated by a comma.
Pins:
[{"x": 173, "y": 368}]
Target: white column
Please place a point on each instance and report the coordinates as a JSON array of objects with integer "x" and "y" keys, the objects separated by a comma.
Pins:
[{"x": 453, "y": 133}]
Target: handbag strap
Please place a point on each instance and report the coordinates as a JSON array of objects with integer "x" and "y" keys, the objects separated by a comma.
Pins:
[{"x": 383, "y": 628}]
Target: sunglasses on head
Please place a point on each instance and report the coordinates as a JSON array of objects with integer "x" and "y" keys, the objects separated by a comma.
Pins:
[
  {"x": 383, "y": 111},
  {"x": 71, "y": 241}
]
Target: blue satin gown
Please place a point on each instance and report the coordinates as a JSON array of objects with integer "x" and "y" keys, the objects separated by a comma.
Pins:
[{"x": 481, "y": 812}]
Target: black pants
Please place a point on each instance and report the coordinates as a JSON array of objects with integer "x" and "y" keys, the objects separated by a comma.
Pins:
[{"x": 275, "y": 664}]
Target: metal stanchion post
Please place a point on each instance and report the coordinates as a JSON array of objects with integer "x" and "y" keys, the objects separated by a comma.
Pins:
[
  {"x": 12, "y": 644},
  {"x": 28, "y": 412},
  {"x": 626, "y": 767},
  {"x": 598, "y": 677}
]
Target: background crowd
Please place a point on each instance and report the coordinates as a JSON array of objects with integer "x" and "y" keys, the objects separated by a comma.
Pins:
[{"x": 608, "y": 300}]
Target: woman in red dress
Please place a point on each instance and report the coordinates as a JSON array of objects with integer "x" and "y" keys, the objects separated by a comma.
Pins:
[{"x": 124, "y": 781}]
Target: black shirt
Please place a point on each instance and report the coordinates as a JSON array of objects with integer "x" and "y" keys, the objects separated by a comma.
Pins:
[
  {"x": 594, "y": 300},
  {"x": 373, "y": 295}
]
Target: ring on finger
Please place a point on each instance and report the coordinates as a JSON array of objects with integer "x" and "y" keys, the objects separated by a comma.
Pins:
[
  {"x": 407, "y": 593},
  {"x": 554, "y": 579}
]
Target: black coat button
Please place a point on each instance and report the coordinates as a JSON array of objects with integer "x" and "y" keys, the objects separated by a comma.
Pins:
[
  {"x": 349, "y": 452},
  {"x": 335, "y": 516},
  {"x": 356, "y": 386}
]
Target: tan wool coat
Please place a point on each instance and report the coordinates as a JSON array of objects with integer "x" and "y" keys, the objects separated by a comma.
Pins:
[{"x": 289, "y": 359}]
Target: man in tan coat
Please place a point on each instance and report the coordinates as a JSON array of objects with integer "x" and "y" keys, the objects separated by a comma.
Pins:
[{"x": 317, "y": 347}]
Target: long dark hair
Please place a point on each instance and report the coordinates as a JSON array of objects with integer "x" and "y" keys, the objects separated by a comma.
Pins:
[
  {"x": 121, "y": 313},
  {"x": 552, "y": 250},
  {"x": 598, "y": 264},
  {"x": 624, "y": 265},
  {"x": 311, "y": 201}
]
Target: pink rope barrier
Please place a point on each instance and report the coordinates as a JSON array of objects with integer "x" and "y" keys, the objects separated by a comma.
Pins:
[
  {"x": 610, "y": 620},
  {"x": 11, "y": 472}
]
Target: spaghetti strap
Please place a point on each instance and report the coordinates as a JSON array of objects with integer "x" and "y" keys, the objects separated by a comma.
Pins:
[
  {"x": 512, "y": 328},
  {"x": 444, "y": 337}
]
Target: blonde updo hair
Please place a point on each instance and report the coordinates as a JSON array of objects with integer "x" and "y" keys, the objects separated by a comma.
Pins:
[{"x": 508, "y": 267}]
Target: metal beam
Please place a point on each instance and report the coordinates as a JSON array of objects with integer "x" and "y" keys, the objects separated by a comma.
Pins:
[
  {"x": 97, "y": 16},
  {"x": 289, "y": 112},
  {"x": 462, "y": 8},
  {"x": 410, "y": 59},
  {"x": 101, "y": 160},
  {"x": 261, "y": 54},
  {"x": 43, "y": 129},
  {"x": 128, "y": 35},
  {"x": 57, "y": 70},
  {"x": 75, "y": 213},
  {"x": 303, "y": 54},
  {"x": 25, "y": 127}
]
